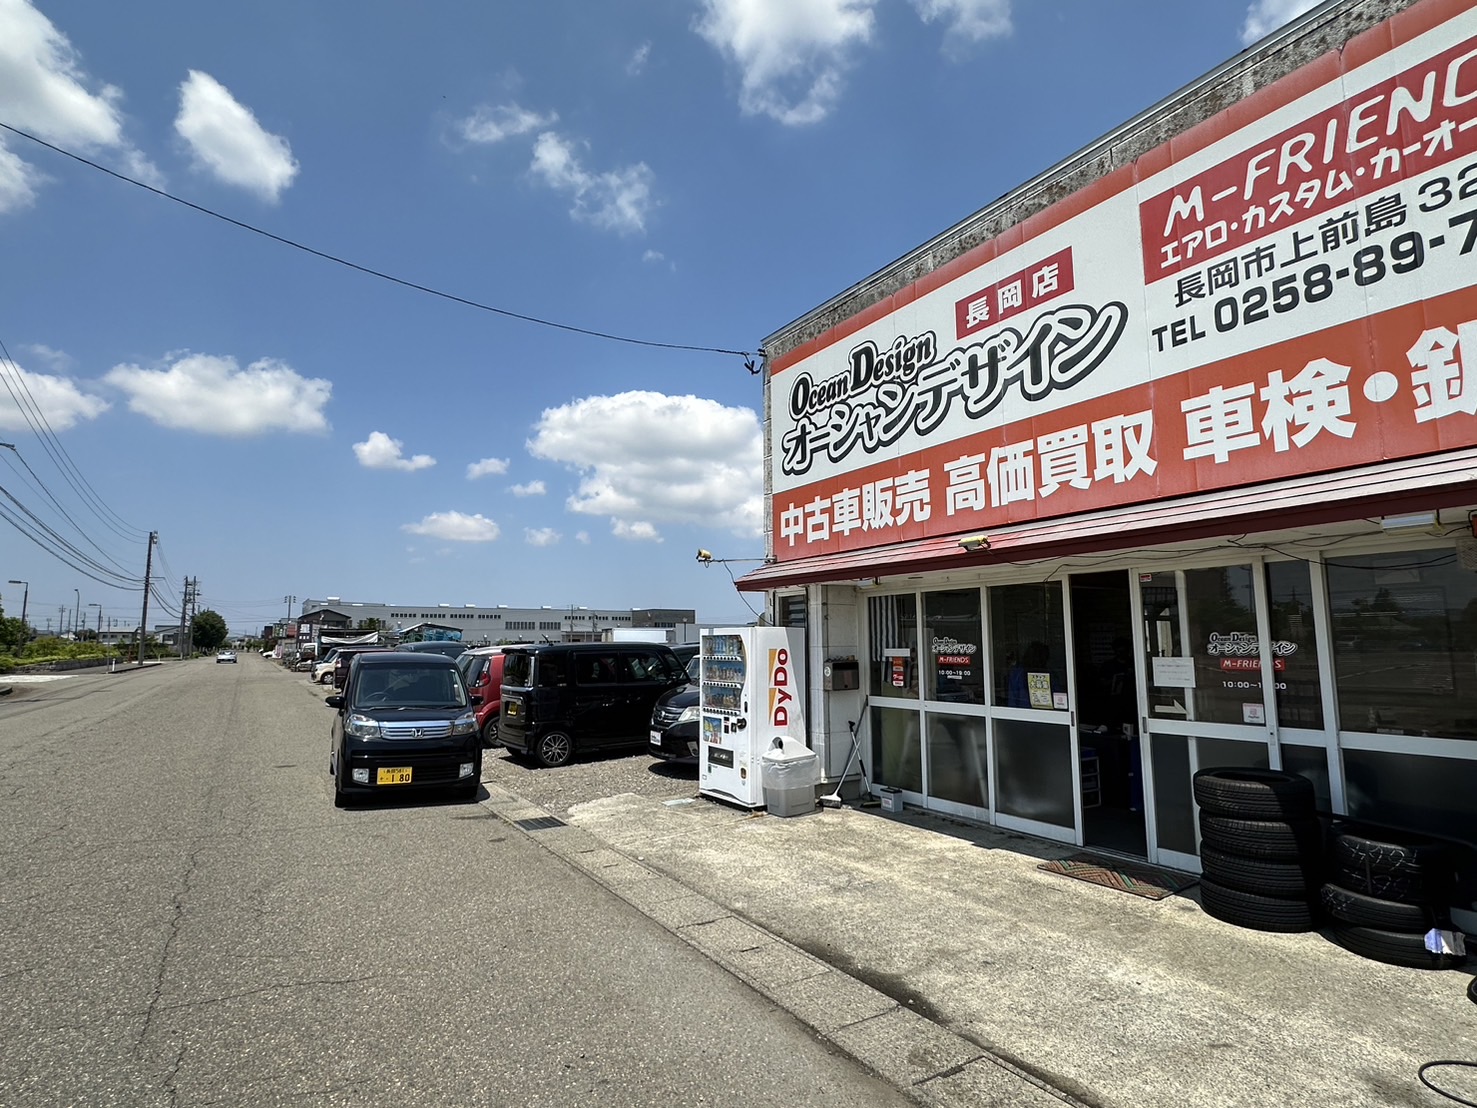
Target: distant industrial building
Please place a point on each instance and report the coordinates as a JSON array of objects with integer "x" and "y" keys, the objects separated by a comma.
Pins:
[{"x": 500, "y": 623}]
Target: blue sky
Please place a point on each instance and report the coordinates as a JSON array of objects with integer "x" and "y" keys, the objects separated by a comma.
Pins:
[{"x": 691, "y": 173}]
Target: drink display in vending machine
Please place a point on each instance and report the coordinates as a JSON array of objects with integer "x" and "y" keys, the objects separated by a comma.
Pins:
[{"x": 753, "y": 682}]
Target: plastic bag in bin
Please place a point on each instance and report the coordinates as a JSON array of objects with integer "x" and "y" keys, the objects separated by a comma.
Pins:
[{"x": 790, "y": 764}]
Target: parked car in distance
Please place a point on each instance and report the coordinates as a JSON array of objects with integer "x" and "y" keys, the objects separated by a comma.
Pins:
[
  {"x": 562, "y": 699},
  {"x": 674, "y": 718},
  {"x": 346, "y": 654},
  {"x": 482, "y": 671},
  {"x": 322, "y": 671},
  {"x": 436, "y": 646},
  {"x": 225, "y": 656},
  {"x": 403, "y": 721},
  {"x": 685, "y": 651}
]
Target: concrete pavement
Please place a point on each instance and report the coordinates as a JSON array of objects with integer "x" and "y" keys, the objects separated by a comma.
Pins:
[{"x": 938, "y": 955}]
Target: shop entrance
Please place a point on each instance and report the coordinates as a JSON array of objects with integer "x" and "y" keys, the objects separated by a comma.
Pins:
[{"x": 1106, "y": 679}]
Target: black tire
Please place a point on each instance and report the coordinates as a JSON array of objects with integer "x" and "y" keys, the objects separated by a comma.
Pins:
[
  {"x": 1258, "y": 875},
  {"x": 554, "y": 748},
  {"x": 1392, "y": 852},
  {"x": 1275, "y": 840},
  {"x": 1259, "y": 913},
  {"x": 1349, "y": 907},
  {"x": 1391, "y": 947},
  {"x": 1250, "y": 793},
  {"x": 489, "y": 732},
  {"x": 1398, "y": 887}
]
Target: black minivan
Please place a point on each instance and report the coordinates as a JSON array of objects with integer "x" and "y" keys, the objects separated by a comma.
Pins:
[
  {"x": 403, "y": 722},
  {"x": 560, "y": 699}
]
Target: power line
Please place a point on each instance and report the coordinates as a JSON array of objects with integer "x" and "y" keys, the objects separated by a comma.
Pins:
[{"x": 746, "y": 354}]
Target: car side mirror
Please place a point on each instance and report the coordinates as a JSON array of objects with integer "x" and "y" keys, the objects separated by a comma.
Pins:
[{"x": 334, "y": 701}]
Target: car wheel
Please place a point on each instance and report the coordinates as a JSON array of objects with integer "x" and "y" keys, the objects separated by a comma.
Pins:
[
  {"x": 489, "y": 732},
  {"x": 554, "y": 749}
]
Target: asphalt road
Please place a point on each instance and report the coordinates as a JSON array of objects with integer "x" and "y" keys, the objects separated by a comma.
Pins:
[{"x": 185, "y": 919}]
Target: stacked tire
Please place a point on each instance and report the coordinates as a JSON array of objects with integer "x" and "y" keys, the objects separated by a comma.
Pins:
[
  {"x": 1385, "y": 891},
  {"x": 1261, "y": 848}
]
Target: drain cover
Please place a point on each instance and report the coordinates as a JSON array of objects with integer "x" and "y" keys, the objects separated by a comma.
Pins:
[{"x": 539, "y": 823}]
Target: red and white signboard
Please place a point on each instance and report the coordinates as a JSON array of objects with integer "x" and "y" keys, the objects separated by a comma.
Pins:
[{"x": 1289, "y": 288}]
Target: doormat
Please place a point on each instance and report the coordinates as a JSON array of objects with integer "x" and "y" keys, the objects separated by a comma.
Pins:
[{"x": 1154, "y": 884}]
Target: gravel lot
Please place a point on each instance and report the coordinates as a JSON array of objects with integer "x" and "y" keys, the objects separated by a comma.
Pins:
[{"x": 589, "y": 778}]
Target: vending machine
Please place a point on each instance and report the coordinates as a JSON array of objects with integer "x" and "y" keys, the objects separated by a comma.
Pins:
[{"x": 753, "y": 690}]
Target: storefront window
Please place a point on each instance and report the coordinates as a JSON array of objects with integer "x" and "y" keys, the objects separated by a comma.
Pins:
[
  {"x": 892, "y": 623},
  {"x": 956, "y": 650},
  {"x": 1035, "y": 771},
  {"x": 1294, "y": 645},
  {"x": 1405, "y": 643},
  {"x": 1203, "y": 646},
  {"x": 957, "y": 760},
  {"x": 896, "y": 752},
  {"x": 1028, "y": 646}
]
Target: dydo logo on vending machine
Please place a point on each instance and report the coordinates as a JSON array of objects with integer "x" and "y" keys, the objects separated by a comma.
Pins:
[{"x": 780, "y": 688}]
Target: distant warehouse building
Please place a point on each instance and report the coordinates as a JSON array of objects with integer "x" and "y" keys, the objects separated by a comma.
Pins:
[{"x": 497, "y": 624}]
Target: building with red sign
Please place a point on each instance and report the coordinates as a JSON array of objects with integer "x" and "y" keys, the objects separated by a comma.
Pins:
[{"x": 1165, "y": 460}]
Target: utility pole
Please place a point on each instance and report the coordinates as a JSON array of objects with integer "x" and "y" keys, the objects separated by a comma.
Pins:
[
  {"x": 187, "y": 618},
  {"x": 143, "y": 620}
]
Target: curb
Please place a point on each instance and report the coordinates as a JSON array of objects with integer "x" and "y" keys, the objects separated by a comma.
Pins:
[{"x": 921, "y": 1058}]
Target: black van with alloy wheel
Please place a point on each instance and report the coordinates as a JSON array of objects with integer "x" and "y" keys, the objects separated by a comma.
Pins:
[{"x": 560, "y": 699}]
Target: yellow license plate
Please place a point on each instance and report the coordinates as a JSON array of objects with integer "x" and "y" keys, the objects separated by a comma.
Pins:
[
  {"x": 396, "y": 775},
  {"x": 514, "y": 708}
]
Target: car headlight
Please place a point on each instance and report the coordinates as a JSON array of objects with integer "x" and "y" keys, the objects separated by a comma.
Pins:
[
  {"x": 465, "y": 724},
  {"x": 689, "y": 715},
  {"x": 362, "y": 727}
]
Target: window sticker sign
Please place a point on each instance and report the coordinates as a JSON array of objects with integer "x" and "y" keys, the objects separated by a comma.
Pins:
[{"x": 1295, "y": 294}]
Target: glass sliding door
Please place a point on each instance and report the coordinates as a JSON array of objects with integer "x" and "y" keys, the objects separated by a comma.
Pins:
[
  {"x": 1206, "y": 648},
  {"x": 955, "y": 680},
  {"x": 1037, "y": 777}
]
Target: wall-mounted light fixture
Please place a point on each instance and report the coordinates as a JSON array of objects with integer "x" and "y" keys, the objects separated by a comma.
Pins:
[
  {"x": 1409, "y": 521},
  {"x": 975, "y": 543}
]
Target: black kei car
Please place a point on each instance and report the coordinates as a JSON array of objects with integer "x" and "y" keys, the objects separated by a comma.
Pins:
[
  {"x": 403, "y": 722},
  {"x": 674, "y": 719}
]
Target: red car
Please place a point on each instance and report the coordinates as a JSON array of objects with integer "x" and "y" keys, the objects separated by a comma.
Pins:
[{"x": 482, "y": 673}]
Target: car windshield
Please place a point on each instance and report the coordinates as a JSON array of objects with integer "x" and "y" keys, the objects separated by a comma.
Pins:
[
  {"x": 410, "y": 687},
  {"x": 694, "y": 667},
  {"x": 518, "y": 669}
]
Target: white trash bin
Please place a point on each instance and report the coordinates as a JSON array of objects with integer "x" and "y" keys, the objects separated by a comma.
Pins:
[{"x": 791, "y": 771}]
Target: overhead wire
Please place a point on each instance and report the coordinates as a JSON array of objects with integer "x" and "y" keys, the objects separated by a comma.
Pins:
[
  {"x": 370, "y": 271},
  {"x": 36, "y": 419}
]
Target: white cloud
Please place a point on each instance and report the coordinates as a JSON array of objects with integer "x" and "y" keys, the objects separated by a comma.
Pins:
[
  {"x": 228, "y": 141},
  {"x": 1265, "y": 16},
  {"x": 379, "y": 451},
  {"x": 645, "y": 459},
  {"x": 791, "y": 54},
  {"x": 974, "y": 20},
  {"x": 540, "y": 536},
  {"x": 18, "y": 181},
  {"x": 486, "y": 467},
  {"x": 493, "y": 124},
  {"x": 618, "y": 200},
  {"x": 201, "y": 392},
  {"x": 455, "y": 527},
  {"x": 638, "y": 60},
  {"x": 58, "y": 400},
  {"x": 582, "y": 537},
  {"x": 638, "y": 530},
  {"x": 46, "y": 92},
  {"x": 533, "y": 488}
]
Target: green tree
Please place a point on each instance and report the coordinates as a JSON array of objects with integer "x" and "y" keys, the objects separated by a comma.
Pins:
[
  {"x": 13, "y": 634},
  {"x": 371, "y": 624},
  {"x": 210, "y": 630}
]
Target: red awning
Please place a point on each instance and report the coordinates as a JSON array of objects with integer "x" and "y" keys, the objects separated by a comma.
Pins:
[{"x": 1411, "y": 484}]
